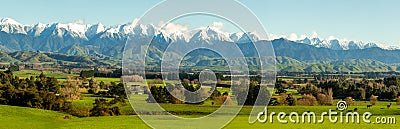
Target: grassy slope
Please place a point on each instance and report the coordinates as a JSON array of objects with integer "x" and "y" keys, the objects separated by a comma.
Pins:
[
  {"x": 29, "y": 73},
  {"x": 18, "y": 117}
]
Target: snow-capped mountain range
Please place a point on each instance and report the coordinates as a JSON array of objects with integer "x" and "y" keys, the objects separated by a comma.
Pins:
[
  {"x": 77, "y": 34},
  {"x": 338, "y": 44}
]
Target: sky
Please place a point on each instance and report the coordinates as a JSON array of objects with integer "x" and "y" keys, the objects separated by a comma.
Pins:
[{"x": 364, "y": 20}]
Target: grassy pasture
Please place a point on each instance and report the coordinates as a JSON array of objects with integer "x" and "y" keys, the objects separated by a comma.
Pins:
[
  {"x": 19, "y": 117},
  {"x": 29, "y": 73},
  {"x": 204, "y": 109},
  {"x": 99, "y": 79}
]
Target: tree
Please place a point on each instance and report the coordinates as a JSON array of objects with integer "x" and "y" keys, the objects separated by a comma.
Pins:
[
  {"x": 118, "y": 90},
  {"x": 179, "y": 94},
  {"x": 103, "y": 85},
  {"x": 282, "y": 99},
  {"x": 87, "y": 74},
  {"x": 52, "y": 85},
  {"x": 307, "y": 100},
  {"x": 94, "y": 87},
  {"x": 189, "y": 97},
  {"x": 279, "y": 87},
  {"x": 309, "y": 89},
  {"x": 373, "y": 99},
  {"x": 398, "y": 100},
  {"x": 326, "y": 98},
  {"x": 101, "y": 108},
  {"x": 14, "y": 68},
  {"x": 71, "y": 90},
  {"x": 321, "y": 99},
  {"x": 159, "y": 94},
  {"x": 41, "y": 93},
  {"x": 363, "y": 94},
  {"x": 291, "y": 100},
  {"x": 349, "y": 100},
  {"x": 215, "y": 93},
  {"x": 329, "y": 97},
  {"x": 392, "y": 81},
  {"x": 104, "y": 108}
]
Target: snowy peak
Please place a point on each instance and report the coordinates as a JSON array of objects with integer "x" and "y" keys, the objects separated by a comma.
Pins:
[
  {"x": 8, "y": 21},
  {"x": 162, "y": 38},
  {"x": 64, "y": 30},
  {"x": 210, "y": 35},
  {"x": 235, "y": 36},
  {"x": 200, "y": 36},
  {"x": 11, "y": 26},
  {"x": 338, "y": 44},
  {"x": 87, "y": 32},
  {"x": 305, "y": 41},
  {"x": 36, "y": 29},
  {"x": 249, "y": 37},
  {"x": 94, "y": 30}
]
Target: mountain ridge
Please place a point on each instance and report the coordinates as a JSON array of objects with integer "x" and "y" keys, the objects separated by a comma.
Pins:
[
  {"x": 88, "y": 32},
  {"x": 82, "y": 40}
]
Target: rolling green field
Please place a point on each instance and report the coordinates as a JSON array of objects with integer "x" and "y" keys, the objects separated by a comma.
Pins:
[
  {"x": 99, "y": 79},
  {"x": 19, "y": 117},
  {"x": 28, "y": 73}
]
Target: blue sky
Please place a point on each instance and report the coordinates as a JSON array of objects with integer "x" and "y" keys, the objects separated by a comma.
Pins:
[{"x": 365, "y": 20}]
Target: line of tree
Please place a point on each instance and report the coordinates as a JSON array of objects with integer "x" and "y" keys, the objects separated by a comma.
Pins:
[
  {"x": 47, "y": 93},
  {"x": 41, "y": 92},
  {"x": 96, "y": 73},
  {"x": 161, "y": 94}
]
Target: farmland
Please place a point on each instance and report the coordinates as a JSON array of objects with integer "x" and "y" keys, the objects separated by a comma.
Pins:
[
  {"x": 36, "y": 118},
  {"x": 27, "y": 73}
]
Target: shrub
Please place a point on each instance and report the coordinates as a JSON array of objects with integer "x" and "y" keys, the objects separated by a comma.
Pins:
[
  {"x": 309, "y": 89},
  {"x": 228, "y": 101},
  {"x": 104, "y": 108},
  {"x": 307, "y": 100},
  {"x": 321, "y": 99},
  {"x": 329, "y": 97},
  {"x": 71, "y": 90},
  {"x": 220, "y": 100},
  {"x": 398, "y": 100},
  {"x": 349, "y": 100},
  {"x": 291, "y": 100},
  {"x": 373, "y": 99},
  {"x": 283, "y": 99},
  {"x": 82, "y": 112},
  {"x": 179, "y": 94}
]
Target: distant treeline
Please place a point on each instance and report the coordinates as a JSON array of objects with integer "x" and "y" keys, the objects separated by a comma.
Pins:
[
  {"x": 96, "y": 73},
  {"x": 343, "y": 74}
]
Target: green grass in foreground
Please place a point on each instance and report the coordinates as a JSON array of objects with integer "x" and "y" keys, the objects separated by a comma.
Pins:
[{"x": 19, "y": 117}]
